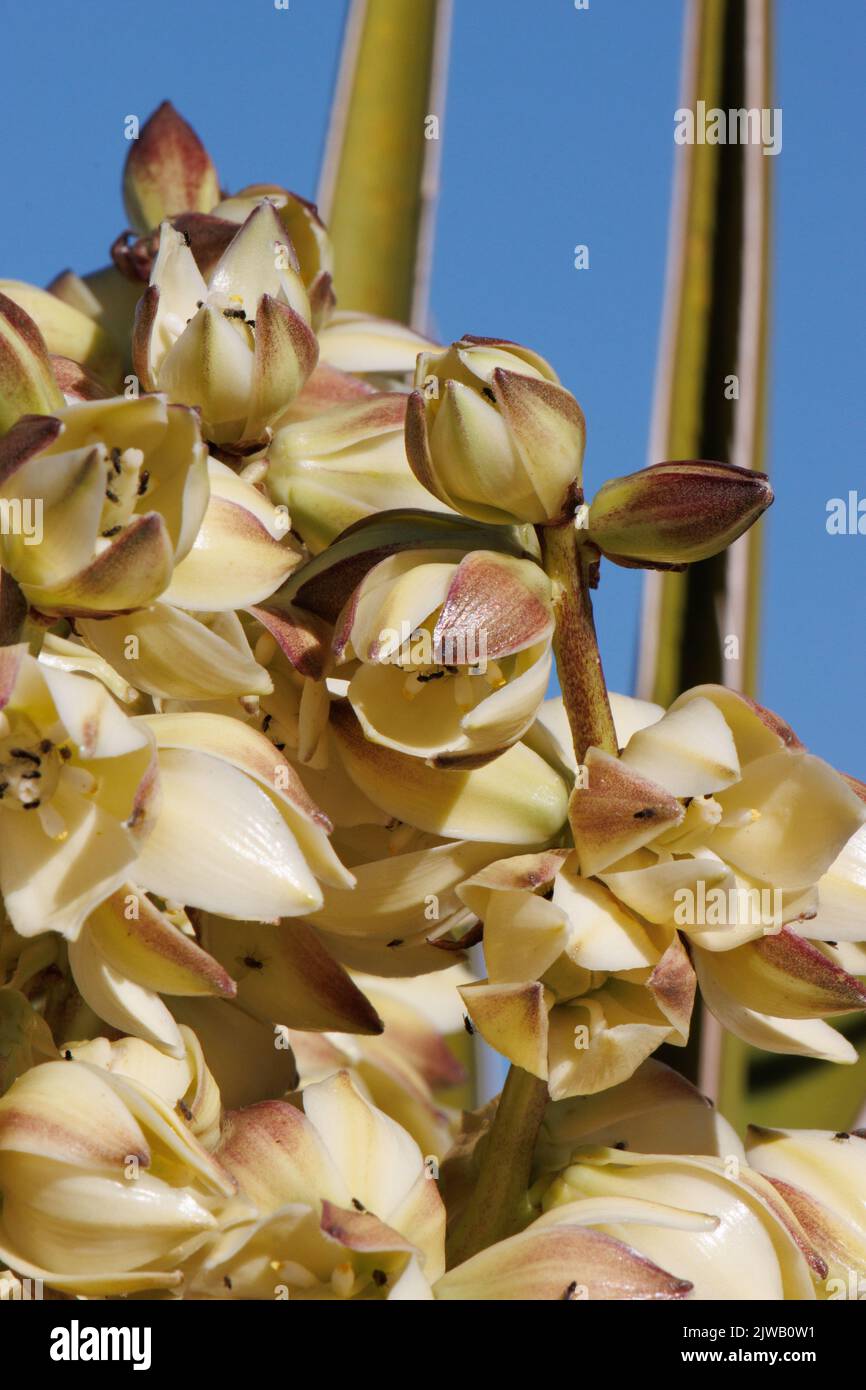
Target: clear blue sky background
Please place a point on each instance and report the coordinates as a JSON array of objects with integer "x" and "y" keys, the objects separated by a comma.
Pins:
[{"x": 558, "y": 130}]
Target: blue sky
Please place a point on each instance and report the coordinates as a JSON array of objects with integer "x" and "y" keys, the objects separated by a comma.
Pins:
[{"x": 558, "y": 131}]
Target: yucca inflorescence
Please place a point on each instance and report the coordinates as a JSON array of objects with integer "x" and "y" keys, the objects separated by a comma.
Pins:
[{"x": 282, "y": 592}]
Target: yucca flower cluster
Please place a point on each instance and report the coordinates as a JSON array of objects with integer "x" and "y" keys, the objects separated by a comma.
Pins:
[{"x": 282, "y": 591}]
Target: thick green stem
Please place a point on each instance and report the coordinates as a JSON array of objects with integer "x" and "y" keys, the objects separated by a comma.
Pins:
[
  {"x": 499, "y": 1207},
  {"x": 575, "y": 644},
  {"x": 499, "y": 1203}
]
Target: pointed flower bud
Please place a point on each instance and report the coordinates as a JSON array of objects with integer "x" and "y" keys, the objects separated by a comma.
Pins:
[
  {"x": 27, "y": 383},
  {"x": 671, "y": 514},
  {"x": 168, "y": 171},
  {"x": 238, "y": 346},
  {"x": 68, "y": 331},
  {"x": 491, "y": 433}
]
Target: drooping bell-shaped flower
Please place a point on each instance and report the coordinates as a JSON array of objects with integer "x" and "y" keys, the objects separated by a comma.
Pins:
[
  {"x": 238, "y": 346},
  {"x": 343, "y": 465},
  {"x": 338, "y": 1201},
  {"x": 105, "y": 1188},
  {"x": 117, "y": 490},
  {"x": 454, "y": 652},
  {"x": 492, "y": 433},
  {"x": 78, "y": 794}
]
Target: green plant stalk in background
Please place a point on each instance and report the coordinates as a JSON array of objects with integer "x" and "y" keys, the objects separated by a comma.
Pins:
[
  {"x": 710, "y": 402},
  {"x": 379, "y": 179}
]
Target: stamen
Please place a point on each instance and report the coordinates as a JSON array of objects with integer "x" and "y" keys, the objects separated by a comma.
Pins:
[{"x": 53, "y": 823}]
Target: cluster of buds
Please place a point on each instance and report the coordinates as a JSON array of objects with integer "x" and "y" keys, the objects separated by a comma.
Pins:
[{"x": 277, "y": 628}]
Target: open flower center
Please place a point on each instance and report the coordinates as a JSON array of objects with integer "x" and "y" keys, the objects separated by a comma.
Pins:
[
  {"x": 30, "y": 765},
  {"x": 126, "y": 481},
  {"x": 468, "y": 682}
]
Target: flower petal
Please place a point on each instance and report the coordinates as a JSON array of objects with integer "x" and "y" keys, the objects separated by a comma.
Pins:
[{"x": 220, "y": 843}]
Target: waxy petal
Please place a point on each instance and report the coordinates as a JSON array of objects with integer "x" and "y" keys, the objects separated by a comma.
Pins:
[
  {"x": 517, "y": 799},
  {"x": 233, "y": 563},
  {"x": 785, "y": 976},
  {"x": 140, "y": 943},
  {"x": 220, "y": 843},
  {"x": 618, "y": 810},
  {"x": 560, "y": 1262},
  {"x": 513, "y": 1019},
  {"x": 286, "y": 976},
  {"x": 286, "y": 351},
  {"x": 690, "y": 751},
  {"x": 176, "y": 657},
  {"x": 805, "y": 815},
  {"x": 219, "y": 737}
]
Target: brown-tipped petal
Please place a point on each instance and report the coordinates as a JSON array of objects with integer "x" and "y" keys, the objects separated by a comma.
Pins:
[
  {"x": 141, "y": 944},
  {"x": 329, "y": 580},
  {"x": 785, "y": 976},
  {"x": 756, "y": 730},
  {"x": 617, "y": 812},
  {"x": 513, "y": 1019},
  {"x": 837, "y": 1243},
  {"x": 672, "y": 984},
  {"x": 676, "y": 513},
  {"x": 70, "y": 1113},
  {"x": 285, "y": 975},
  {"x": 302, "y": 638},
  {"x": 529, "y": 871},
  {"x": 506, "y": 599},
  {"x": 145, "y": 317},
  {"x": 361, "y": 1231},
  {"x": 417, "y": 442},
  {"x": 28, "y": 437},
  {"x": 13, "y": 609},
  {"x": 549, "y": 430},
  {"x": 168, "y": 170},
  {"x": 561, "y": 1263},
  {"x": 75, "y": 382},
  {"x": 68, "y": 331},
  {"x": 130, "y": 574},
  {"x": 276, "y": 1155},
  {"x": 27, "y": 382},
  {"x": 234, "y": 562},
  {"x": 286, "y": 351}
]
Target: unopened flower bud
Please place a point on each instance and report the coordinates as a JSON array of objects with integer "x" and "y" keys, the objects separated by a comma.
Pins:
[
  {"x": 672, "y": 514},
  {"x": 491, "y": 433},
  {"x": 168, "y": 171},
  {"x": 27, "y": 384}
]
